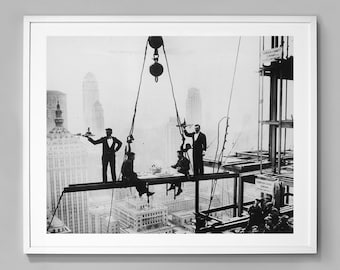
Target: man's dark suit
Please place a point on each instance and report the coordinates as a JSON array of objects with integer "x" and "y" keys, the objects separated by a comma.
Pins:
[
  {"x": 108, "y": 155},
  {"x": 199, "y": 145},
  {"x": 128, "y": 174}
]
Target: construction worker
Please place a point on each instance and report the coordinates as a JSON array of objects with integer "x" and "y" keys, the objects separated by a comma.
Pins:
[
  {"x": 110, "y": 146},
  {"x": 199, "y": 145},
  {"x": 182, "y": 166},
  {"x": 269, "y": 209},
  {"x": 255, "y": 216},
  {"x": 268, "y": 224},
  {"x": 283, "y": 226},
  {"x": 129, "y": 175}
]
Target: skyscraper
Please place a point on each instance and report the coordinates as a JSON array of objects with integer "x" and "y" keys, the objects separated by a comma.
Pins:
[
  {"x": 93, "y": 110},
  {"x": 57, "y": 225},
  {"x": 193, "y": 107},
  {"x": 94, "y": 119},
  {"x": 98, "y": 117},
  {"x": 53, "y": 97},
  {"x": 66, "y": 164},
  {"x": 100, "y": 218},
  {"x": 135, "y": 215}
]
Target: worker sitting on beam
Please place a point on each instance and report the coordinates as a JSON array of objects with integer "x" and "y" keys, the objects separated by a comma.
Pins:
[
  {"x": 129, "y": 175},
  {"x": 182, "y": 166}
]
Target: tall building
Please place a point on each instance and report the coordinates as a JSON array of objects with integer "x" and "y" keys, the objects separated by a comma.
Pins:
[
  {"x": 193, "y": 107},
  {"x": 100, "y": 218},
  {"x": 66, "y": 164},
  {"x": 57, "y": 225},
  {"x": 173, "y": 141},
  {"x": 98, "y": 117},
  {"x": 53, "y": 97},
  {"x": 179, "y": 204},
  {"x": 110, "y": 225},
  {"x": 93, "y": 110},
  {"x": 136, "y": 216}
]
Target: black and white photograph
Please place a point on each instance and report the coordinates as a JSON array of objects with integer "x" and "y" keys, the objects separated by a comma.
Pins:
[
  {"x": 167, "y": 135},
  {"x": 170, "y": 135}
]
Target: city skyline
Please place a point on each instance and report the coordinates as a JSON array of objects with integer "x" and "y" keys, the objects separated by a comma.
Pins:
[
  {"x": 66, "y": 164},
  {"x": 101, "y": 94},
  {"x": 92, "y": 108},
  {"x": 53, "y": 98},
  {"x": 116, "y": 63}
]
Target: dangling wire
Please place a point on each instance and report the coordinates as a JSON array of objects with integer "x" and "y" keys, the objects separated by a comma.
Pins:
[
  {"x": 179, "y": 124},
  {"x": 109, "y": 221},
  {"x": 215, "y": 158},
  {"x": 173, "y": 93},
  {"x": 139, "y": 88},
  {"x": 133, "y": 120},
  {"x": 55, "y": 210},
  {"x": 220, "y": 158}
]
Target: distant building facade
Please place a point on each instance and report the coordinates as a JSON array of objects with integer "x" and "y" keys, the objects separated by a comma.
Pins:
[
  {"x": 66, "y": 164},
  {"x": 135, "y": 215},
  {"x": 180, "y": 204},
  {"x": 110, "y": 225},
  {"x": 98, "y": 117},
  {"x": 57, "y": 225},
  {"x": 54, "y": 97},
  {"x": 183, "y": 218},
  {"x": 92, "y": 108},
  {"x": 193, "y": 107},
  {"x": 99, "y": 220}
]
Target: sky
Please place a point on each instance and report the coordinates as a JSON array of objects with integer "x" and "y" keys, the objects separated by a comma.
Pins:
[{"x": 205, "y": 63}]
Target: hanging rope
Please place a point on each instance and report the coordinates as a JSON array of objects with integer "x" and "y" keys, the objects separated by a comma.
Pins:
[
  {"x": 220, "y": 158},
  {"x": 133, "y": 120},
  {"x": 173, "y": 92},
  {"x": 55, "y": 210},
  {"x": 216, "y": 152},
  {"x": 135, "y": 109},
  {"x": 139, "y": 88}
]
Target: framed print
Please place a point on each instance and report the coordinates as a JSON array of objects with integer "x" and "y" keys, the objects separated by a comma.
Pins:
[{"x": 170, "y": 135}]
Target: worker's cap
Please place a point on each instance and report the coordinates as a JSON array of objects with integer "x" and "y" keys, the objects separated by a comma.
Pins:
[
  {"x": 180, "y": 151},
  {"x": 269, "y": 217},
  {"x": 269, "y": 204},
  {"x": 187, "y": 146},
  {"x": 284, "y": 218},
  {"x": 130, "y": 154},
  {"x": 108, "y": 129}
]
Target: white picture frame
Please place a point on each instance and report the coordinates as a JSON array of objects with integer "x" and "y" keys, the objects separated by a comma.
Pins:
[{"x": 304, "y": 238}]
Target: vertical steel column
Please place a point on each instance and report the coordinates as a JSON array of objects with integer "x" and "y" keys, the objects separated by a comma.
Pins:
[
  {"x": 273, "y": 114},
  {"x": 259, "y": 105},
  {"x": 287, "y": 196},
  {"x": 285, "y": 131},
  {"x": 200, "y": 221},
  {"x": 280, "y": 114},
  {"x": 235, "y": 198},
  {"x": 240, "y": 196},
  {"x": 262, "y": 101},
  {"x": 197, "y": 196}
]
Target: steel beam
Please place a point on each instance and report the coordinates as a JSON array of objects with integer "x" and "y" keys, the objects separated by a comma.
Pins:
[
  {"x": 235, "y": 198},
  {"x": 149, "y": 181},
  {"x": 240, "y": 196}
]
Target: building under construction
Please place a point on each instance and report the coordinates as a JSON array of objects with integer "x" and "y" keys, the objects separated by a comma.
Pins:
[{"x": 269, "y": 169}]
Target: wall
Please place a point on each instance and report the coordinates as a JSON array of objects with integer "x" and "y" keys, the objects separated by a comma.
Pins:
[{"x": 11, "y": 13}]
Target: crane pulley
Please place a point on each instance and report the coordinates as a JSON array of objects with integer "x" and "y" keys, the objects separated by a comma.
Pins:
[{"x": 156, "y": 69}]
